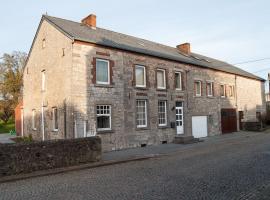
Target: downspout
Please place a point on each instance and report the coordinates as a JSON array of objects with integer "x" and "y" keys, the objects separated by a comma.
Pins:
[
  {"x": 65, "y": 119},
  {"x": 42, "y": 122}
]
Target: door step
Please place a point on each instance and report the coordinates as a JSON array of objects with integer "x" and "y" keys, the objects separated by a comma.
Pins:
[{"x": 186, "y": 140}]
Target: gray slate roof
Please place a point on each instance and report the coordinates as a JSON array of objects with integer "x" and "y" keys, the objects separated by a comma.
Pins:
[{"x": 78, "y": 31}]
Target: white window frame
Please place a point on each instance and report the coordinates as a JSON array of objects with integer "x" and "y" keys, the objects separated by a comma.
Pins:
[
  {"x": 180, "y": 81},
  {"x": 43, "y": 80},
  {"x": 108, "y": 66},
  {"x": 212, "y": 89},
  {"x": 198, "y": 81},
  {"x": 165, "y": 106},
  {"x": 34, "y": 126},
  {"x": 144, "y": 76},
  {"x": 145, "y": 114},
  {"x": 107, "y": 115},
  {"x": 164, "y": 78},
  {"x": 224, "y": 90},
  {"x": 54, "y": 109}
]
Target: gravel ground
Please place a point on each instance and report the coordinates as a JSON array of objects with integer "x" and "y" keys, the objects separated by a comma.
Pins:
[{"x": 222, "y": 168}]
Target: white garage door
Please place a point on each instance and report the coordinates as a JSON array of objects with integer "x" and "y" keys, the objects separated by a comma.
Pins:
[{"x": 199, "y": 126}]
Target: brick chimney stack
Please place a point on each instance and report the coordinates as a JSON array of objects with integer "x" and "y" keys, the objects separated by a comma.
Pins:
[
  {"x": 184, "y": 48},
  {"x": 90, "y": 20}
]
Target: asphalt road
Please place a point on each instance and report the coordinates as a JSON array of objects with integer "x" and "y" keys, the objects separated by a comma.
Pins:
[{"x": 230, "y": 169}]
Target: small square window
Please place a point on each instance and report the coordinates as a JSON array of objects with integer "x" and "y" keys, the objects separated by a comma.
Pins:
[
  {"x": 140, "y": 76},
  {"x": 161, "y": 79},
  {"x": 102, "y": 71}
]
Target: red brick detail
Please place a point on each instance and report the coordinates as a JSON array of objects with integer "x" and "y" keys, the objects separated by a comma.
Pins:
[
  {"x": 93, "y": 71},
  {"x": 102, "y": 53},
  {"x": 184, "y": 48}
]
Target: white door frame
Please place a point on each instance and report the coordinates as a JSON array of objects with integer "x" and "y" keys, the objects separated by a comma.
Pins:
[{"x": 179, "y": 119}]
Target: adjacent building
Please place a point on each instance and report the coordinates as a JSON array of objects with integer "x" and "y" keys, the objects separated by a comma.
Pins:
[{"x": 81, "y": 80}]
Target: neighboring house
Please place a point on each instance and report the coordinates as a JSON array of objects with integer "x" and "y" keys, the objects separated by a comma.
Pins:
[{"x": 81, "y": 80}]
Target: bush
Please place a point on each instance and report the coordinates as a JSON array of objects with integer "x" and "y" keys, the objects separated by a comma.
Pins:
[{"x": 24, "y": 139}]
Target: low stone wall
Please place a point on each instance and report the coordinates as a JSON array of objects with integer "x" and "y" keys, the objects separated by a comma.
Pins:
[
  {"x": 29, "y": 157},
  {"x": 253, "y": 126}
]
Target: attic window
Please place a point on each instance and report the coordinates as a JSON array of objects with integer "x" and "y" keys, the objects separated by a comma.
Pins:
[{"x": 43, "y": 43}]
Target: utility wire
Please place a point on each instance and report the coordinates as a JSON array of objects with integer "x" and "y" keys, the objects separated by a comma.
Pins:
[{"x": 251, "y": 61}]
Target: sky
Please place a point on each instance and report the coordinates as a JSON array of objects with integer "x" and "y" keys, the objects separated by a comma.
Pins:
[{"x": 230, "y": 30}]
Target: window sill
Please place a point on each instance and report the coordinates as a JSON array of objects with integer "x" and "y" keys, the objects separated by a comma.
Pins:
[
  {"x": 141, "y": 88},
  {"x": 104, "y": 131},
  {"x": 104, "y": 85},
  {"x": 163, "y": 127},
  {"x": 34, "y": 129},
  {"x": 141, "y": 128},
  {"x": 55, "y": 130}
]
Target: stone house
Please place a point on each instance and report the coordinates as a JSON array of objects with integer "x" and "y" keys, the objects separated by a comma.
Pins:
[{"x": 81, "y": 80}]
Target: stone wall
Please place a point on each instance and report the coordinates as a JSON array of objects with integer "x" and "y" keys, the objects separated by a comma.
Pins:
[{"x": 29, "y": 157}]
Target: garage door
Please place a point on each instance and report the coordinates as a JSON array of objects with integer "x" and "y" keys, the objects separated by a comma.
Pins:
[
  {"x": 199, "y": 126},
  {"x": 228, "y": 120}
]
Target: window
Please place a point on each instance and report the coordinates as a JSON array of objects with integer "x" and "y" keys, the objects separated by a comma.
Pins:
[
  {"x": 209, "y": 89},
  {"x": 222, "y": 91},
  {"x": 161, "y": 79},
  {"x": 198, "y": 88},
  {"x": 103, "y": 117},
  {"x": 102, "y": 71},
  {"x": 162, "y": 113},
  {"x": 43, "y": 81},
  {"x": 43, "y": 43},
  {"x": 140, "y": 76},
  {"x": 178, "y": 80},
  {"x": 34, "y": 119},
  {"x": 55, "y": 119},
  {"x": 141, "y": 113},
  {"x": 231, "y": 91}
]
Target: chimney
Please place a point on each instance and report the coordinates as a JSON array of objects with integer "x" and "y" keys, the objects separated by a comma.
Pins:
[
  {"x": 90, "y": 20},
  {"x": 184, "y": 48}
]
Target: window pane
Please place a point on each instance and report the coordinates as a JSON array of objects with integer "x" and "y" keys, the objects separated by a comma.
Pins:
[
  {"x": 102, "y": 73},
  {"x": 160, "y": 79},
  {"x": 103, "y": 122},
  {"x": 222, "y": 92},
  {"x": 198, "y": 88},
  {"x": 140, "y": 76},
  {"x": 177, "y": 79},
  {"x": 162, "y": 113},
  {"x": 141, "y": 113}
]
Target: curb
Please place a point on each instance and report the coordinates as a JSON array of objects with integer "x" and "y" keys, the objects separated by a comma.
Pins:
[{"x": 74, "y": 168}]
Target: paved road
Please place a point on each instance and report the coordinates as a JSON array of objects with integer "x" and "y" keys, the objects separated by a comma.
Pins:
[{"x": 229, "y": 168}]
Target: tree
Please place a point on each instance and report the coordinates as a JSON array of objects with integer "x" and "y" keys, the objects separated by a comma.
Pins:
[{"x": 11, "y": 82}]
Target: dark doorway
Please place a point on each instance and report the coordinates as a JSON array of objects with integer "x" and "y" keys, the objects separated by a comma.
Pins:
[
  {"x": 241, "y": 116},
  {"x": 228, "y": 120}
]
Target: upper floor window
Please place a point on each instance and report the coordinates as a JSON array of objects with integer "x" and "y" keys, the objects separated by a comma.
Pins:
[
  {"x": 209, "y": 89},
  {"x": 231, "y": 91},
  {"x": 103, "y": 117},
  {"x": 222, "y": 90},
  {"x": 43, "y": 81},
  {"x": 178, "y": 80},
  {"x": 161, "y": 79},
  {"x": 34, "y": 119},
  {"x": 140, "y": 76},
  {"x": 102, "y": 71},
  {"x": 198, "y": 88},
  {"x": 55, "y": 119}
]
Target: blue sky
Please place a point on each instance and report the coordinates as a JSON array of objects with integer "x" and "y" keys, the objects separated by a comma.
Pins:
[{"x": 231, "y": 30}]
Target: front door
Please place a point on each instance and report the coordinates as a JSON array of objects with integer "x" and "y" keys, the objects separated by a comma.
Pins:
[{"x": 179, "y": 118}]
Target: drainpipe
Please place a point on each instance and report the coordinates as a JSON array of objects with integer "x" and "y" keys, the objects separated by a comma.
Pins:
[
  {"x": 42, "y": 122},
  {"x": 65, "y": 119}
]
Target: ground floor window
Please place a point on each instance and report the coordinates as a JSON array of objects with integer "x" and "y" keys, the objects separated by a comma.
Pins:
[
  {"x": 162, "y": 113},
  {"x": 103, "y": 117},
  {"x": 141, "y": 108},
  {"x": 55, "y": 119}
]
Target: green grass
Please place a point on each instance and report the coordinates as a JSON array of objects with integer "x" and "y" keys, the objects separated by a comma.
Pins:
[{"x": 5, "y": 128}]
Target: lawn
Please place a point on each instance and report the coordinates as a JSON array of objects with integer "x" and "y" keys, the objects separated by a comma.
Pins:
[{"x": 5, "y": 128}]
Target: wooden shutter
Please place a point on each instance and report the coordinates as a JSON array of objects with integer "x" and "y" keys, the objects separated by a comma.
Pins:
[
  {"x": 93, "y": 71},
  {"x": 111, "y": 71}
]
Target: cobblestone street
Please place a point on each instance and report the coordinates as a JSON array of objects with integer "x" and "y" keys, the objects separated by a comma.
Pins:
[{"x": 234, "y": 166}]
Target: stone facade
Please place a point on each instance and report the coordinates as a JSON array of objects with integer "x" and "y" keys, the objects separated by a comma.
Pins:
[{"x": 71, "y": 87}]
